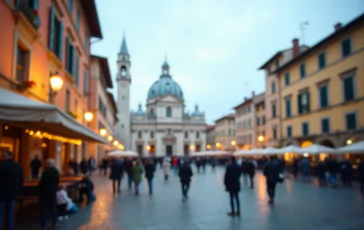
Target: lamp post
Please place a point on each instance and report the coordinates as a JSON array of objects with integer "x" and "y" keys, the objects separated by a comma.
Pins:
[
  {"x": 56, "y": 83},
  {"x": 88, "y": 116},
  {"x": 260, "y": 139},
  {"x": 233, "y": 143},
  {"x": 103, "y": 132}
]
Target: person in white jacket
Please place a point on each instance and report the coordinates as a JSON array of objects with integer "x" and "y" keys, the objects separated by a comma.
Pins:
[
  {"x": 166, "y": 168},
  {"x": 64, "y": 203}
]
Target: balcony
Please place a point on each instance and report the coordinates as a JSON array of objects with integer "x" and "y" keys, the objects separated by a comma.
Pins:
[{"x": 27, "y": 8}]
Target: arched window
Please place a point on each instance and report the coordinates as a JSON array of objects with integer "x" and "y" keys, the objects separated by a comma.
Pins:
[
  {"x": 197, "y": 134},
  {"x": 186, "y": 134},
  {"x": 152, "y": 111},
  {"x": 169, "y": 111},
  {"x": 140, "y": 134},
  {"x": 152, "y": 134}
]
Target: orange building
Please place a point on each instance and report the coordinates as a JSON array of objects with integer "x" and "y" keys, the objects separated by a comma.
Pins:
[{"x": 45, "y": 57}]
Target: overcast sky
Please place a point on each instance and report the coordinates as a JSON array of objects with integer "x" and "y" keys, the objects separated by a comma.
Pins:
[{"x": 214, "y": 47}]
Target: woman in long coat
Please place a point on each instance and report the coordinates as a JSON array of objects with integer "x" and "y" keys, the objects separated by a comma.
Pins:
[
  {"x": 137, "y": 175},
  {"x": 166, "y": 168}
]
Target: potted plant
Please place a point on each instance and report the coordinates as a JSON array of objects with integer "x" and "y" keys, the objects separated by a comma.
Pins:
[
  {"x": 26, "y": 85},
  {"x": 72, "y": 114}
]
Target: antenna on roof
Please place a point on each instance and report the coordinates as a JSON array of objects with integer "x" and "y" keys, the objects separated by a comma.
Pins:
[{"x": 303, "y": 27}]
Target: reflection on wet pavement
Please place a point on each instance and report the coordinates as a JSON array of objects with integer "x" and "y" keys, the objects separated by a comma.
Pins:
[{"x": 298, "y": 206}]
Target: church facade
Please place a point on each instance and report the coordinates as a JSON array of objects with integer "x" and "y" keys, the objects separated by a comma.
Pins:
[{"x": 162, "y": 127}]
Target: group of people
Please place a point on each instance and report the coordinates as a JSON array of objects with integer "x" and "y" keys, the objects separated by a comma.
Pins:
[{"x": 52, "y": 195}]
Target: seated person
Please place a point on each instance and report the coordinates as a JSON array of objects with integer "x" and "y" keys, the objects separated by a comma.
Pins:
[
  {"x": 87, "y": 188},
  {"x": 64, "y": 203}
]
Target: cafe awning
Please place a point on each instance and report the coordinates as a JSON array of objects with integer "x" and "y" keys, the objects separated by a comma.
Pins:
[{"x": 26, "y": 113}]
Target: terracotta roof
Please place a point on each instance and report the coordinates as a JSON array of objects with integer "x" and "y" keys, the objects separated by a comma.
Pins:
[
  {"x": 105, "y": 70},
  {"x": 209, "y": 127},
  {"x": 231, "y": 115},
  {"x": 245, "y": 102},
  {"x": 89, "y": 7},
  {"x": 357, "y": 21}
]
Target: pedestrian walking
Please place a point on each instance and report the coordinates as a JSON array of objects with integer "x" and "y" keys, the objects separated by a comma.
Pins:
[
  {"x": 35, "y": 166},
  {"x": 166, "y": 168},
  {"x": 271, "y": 173},
  {"x": 320, "y": 172},
  {"x": 250, "y": 168},
  {"x": 149, "y": 174},
  {"x": 137, "y": 175},
  {"x": 128, "y": 167},
  {"x": 185, "y": 174},
  {"x": 48, "y": 186},
  {"x": 84, "y": 166},
  {"x": 116, "y": 174},
  {"x": 305, "y": 169},
  {"x": 332, "y": 167},
  {"x": 361, "y": 176},
  {"x": 232, "y": 185},
  {"x": 11, "y": 183}
]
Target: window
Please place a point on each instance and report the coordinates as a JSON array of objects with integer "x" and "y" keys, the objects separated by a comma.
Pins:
[
  {"x": 151, "y": 111},
  {"x": 273, "y": 87},
  {"x": 289, "y": 131},
  {"x": 55, "y": 34},
  {"x": 78, "y": 20},
  {"x": 274, "y": 110},
  {"x": 197, "y": 134},
  {"x": 86, "y": 42},
  {"x": 324, "y": 97},
  {"x": 263, "y": 120},
  {"x": 229, "y": 132},
  {"x": 258, "y": 121},
  {"x": 70, "y": 54},
  {"x": 349, "y": 87},
  {"x": 85, "y": 91},
  {"x": 288, "y": 107},
  {"x": 346, "y": 47},
  {"x": 274, "y": 133},
  {"x": 305, "y": 129},
  {"x": 303, "y": 70},
  {"x": 321, "y": 60},
  {"x": 21, "y": 64},
  {"x": 351, "y": 121},
  {"x": 140, "y": 134},
  {"x": 303, "y": 102},
  {"x": 77, "y": 70},
  {"x": 186, "y": 134},
  {"x": 151, "y": 134},
  {"x": 76, "y": 106},
  {"x": 102, "y": 107},
  {"x": 70, "y": 6},
  {"x": 287, "y": 79},
  {"x": 68, "y": 99},
  {"x": 277, "y": 64},
  {"x": 325, "y": 125},
  {"x": 269, "y": 70},
  {"x": 169, "y": 111}
]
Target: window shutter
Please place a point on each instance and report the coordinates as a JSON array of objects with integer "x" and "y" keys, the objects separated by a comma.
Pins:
[
  {"x": 51, "y": 28},
  {"x": 308, "y": 101},
  {"x": 85, "y": 82},
  {"x": 60, "y": 41},
  {"x": 67, "y": 54},
  {"x": 299, "y": 104},
  {"x": 77, "y": 70}
]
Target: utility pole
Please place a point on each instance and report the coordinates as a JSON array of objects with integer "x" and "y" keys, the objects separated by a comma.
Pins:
[{"x": 303, "y": 27}]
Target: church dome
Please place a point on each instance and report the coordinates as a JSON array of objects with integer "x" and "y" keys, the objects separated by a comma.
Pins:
[
  {"x": 140, "y": 111},
  {"x": 165, "y": 85},
  {"x": 197, "y": 112}
]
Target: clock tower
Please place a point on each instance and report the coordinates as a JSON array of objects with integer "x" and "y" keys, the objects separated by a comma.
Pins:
[{"x": 123, "y": 79}]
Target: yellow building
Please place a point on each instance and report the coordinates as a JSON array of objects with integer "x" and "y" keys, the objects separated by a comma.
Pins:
[
  {"x": 260, "y": 126},
  {"x": 225, "y": 133},
  {"x": 322, "y": 93}
]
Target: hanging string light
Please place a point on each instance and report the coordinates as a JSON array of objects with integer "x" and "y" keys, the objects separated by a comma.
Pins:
[{"x": 44, "y": 135}]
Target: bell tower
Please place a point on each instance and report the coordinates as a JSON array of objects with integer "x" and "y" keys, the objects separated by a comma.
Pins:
[{"x": 123, "y": 79}]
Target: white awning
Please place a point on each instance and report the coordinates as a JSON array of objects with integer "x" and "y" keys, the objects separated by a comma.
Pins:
[
  {"x": 353, "y": 148},
  {"x": 26, "y": 113}
]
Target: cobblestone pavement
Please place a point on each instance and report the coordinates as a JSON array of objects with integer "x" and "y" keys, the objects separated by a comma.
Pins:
[{"x": 298, "y": 206}]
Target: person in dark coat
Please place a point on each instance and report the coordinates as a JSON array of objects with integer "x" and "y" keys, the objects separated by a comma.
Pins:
[
  {"x": 346, "y": 172},
  {"x": 104, "y": 165},
  {"x": 91, "y": 164},
  {"x": 84, "y": 166},
  {"x": 232, "y": 184},
  {"x": 149, "y": 169},
  {"x": 332, "y": 167},
  {"x": 320, "y": 172},
  {"x": 74, "y": 166},
  {"x": 361, "y": 175},
  {"x": 35, "y": 166},
  {"x": 271, "y": 173},
  {"x": 87, "y": 188},
  {"x": 11, "y": 183},
  {"x": 296, "y": 166},
  {"x": 185, "y": 174},
  {"x": 250, "y": 169},
  {"x": 128, "y": 166},
  {"x": 244, "y": 167},
  {"x": 116, "y": 174},
  {"x": 282, "y": 165},
  {"x": 48, "y": 186}
]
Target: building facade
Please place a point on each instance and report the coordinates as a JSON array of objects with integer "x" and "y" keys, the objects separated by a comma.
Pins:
[
  {"x": 260, "y": 121},
  {"x": 225, "y": 133},
  {"x": 102, "y": 105},
  {"x": 321, "y": 90},
  {"x": 210, "y": 137},
  {"x": 163, "y": 128},
  {"x": 42, "y": 39},
  {"x": 272, "y": 92}
]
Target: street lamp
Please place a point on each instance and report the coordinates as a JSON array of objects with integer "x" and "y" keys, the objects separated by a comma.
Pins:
[
  {"x": 148, "y": 147},
  {"x": 233, "y": 143},
  {"x": 192, "y": 147},
  {"x": 218, "y": 144},
  {"x": 208, "y": 146},
  {"x": 260, "y": 138},
  {"x": 88, "y": 116},
  {"x": 103, "y": 132},
  {"x": 56, "y": 83},
  {"x": 110, "y": 138},
  {"x": 116, "y": 143}
]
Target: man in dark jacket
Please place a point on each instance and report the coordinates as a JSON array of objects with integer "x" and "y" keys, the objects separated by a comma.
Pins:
[
  {"x": 361, "y": 176},
  {"x": 271, "y": 172},
  {"x": 149, "y": 174},
  {"x": 35, "y": 166},
  {"x": 74, "y": 166},
  {"x": 128, "y": 166},
  {"x": 332, "y": 167},
  {"x": 84, "y": 166},
  {"x": 87, "y": 188},
  {"x": 116, "y": 174},
  {"x": 11, "y": 182},
  {"x": 232, "y": 184},
  {"x": 185, "y": 174},
  {"x": 250, "y": 169},
  {"x": 48, "y": 186}
]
